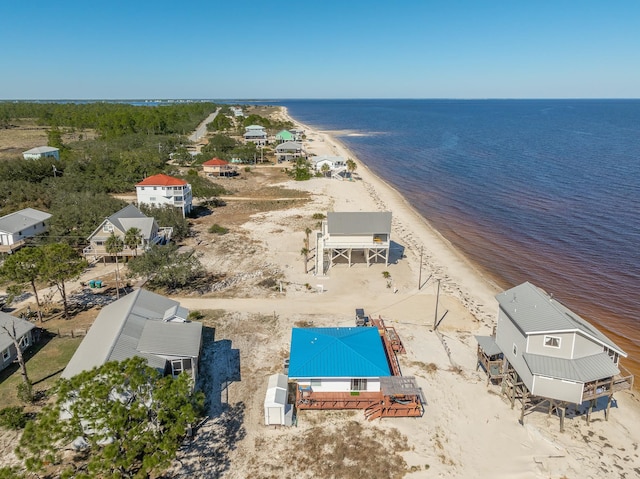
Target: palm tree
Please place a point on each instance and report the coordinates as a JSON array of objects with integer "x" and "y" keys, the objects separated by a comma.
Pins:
[
  {"x": 307, "y": 232},
  {"x": 305, "y": 253},
  {"x": 351, "y": 166},
  {"x": 115, "y": 245},
  {"x": 325, "y": 169},
  {"x": 132, "y": 238}
]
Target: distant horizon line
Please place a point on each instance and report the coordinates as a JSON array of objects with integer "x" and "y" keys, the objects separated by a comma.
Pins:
[{"x": 170, "y": 99}]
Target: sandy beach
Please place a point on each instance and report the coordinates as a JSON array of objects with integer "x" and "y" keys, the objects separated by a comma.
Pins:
[{"x": 468, "y": 429}]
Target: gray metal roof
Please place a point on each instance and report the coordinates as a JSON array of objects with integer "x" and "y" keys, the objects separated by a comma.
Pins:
[
  {"x": 357, "y": 223},
  {"x": 488, "y": 345},
  {"x": 289, "y": 146},
  {"x": 19, "y": 220},
  {"x": 589, "y": 368},
  {"x": 534, "y": 311},
  {"x": 128, "y": 217},
  {"x": 171, "y": 338},
  {"x": 116, "y": 332},
  {"x": 254, "y": 128},
  {"x": 41, "y": 149},
  {"x": 22, "y": 328}
]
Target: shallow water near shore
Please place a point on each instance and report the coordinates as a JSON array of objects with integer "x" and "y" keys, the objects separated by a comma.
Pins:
[{"x": 545, "y": 191}]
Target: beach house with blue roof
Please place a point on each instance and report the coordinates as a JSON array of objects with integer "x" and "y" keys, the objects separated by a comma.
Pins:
[
  {"x": 338, "y": 359},
  {"x": 349, "y": 368}
]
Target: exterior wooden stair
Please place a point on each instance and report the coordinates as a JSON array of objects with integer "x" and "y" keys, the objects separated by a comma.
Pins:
[{"x": 373, "y": 412}]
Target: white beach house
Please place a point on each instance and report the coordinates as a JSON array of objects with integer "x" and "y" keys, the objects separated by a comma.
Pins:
[
  {"x": 164, "y": 190},
  {"x": 17, "y": 227}
]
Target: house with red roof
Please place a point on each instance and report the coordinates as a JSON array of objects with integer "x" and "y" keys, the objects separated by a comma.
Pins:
[
  {"x": 164, "y": 190},
  {"x": 218, "y": 167}
]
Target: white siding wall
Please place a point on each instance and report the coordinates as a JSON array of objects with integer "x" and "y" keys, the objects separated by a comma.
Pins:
[
  {"x": 585, "y": 347},
  {"x": 333, "y": 385}
]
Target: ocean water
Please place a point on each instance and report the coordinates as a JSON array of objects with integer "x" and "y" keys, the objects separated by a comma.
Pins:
[{"x": 546, "y": 191}]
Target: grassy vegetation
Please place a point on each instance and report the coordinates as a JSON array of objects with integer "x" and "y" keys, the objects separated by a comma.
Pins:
[{"x": 45, "y": 361}]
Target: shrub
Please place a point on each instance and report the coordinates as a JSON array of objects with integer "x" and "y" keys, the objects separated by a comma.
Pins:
[
  {"x": 195, "y": 316},
  {"x": 217, "y": 229},
  {"x": 25, "y": 392},
  {"x": 13, "y": 417},
  {"x": 318, "y": 216}
]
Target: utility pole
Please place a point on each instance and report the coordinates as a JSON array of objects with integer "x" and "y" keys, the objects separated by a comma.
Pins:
[
  {"x": 435, "y": 319},
  {"x": 420, "y": 274}
]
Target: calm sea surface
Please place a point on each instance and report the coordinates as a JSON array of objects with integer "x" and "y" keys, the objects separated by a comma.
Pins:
[{"x": 546, "y": 191}]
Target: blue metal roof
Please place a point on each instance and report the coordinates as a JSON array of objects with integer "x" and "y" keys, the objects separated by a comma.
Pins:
[{"x": 337, "y": 352}]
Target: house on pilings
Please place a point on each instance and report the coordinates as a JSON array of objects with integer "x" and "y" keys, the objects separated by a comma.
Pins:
[
  {"x": 353, "y": 237},
  {"x": 547, "y": 357}
]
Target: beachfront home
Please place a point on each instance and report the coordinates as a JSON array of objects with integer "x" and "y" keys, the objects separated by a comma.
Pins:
[
  {"x": 298, "y": 134},
  {"x": 284, "y": 135},
  {"x": 163, "y": 190},
  {"x": 218, "y": 167},
  {"x": 16, "y": 228},
  {"x": 545, "y": 353},
  {"x": 255, "y": 134},
  {"x": 121, "y": 222},
  {"x": 353, "y": 236},
  {"x": 335, "y": 163},
  {"x": 289, "y": 150},
  {"x": 349, "y": 368},
  {"x": 42, "y": 152},
  {"x": 25, "y": 333},
  {"x": 142, "y": 324},
  {"x": 237, "y": 111}
]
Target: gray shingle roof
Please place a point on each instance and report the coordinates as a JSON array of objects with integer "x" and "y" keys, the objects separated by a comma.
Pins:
[
  {"x": 356, "y": 223},
  {"x": 534, "y": 311},
  {"x": 128, "y": 217},
  {"x": 19, "y": 220},
  {"x": 289, "y": 146},
  {"x": 22, "y": 328},
  {"x": 589, "y": 368},
  {"x": 171, "y": 338},
  {"x": 117, "y": 331}
]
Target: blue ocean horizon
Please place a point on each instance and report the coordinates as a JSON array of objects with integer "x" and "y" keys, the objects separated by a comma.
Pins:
[{"x": 545, "y": 191}]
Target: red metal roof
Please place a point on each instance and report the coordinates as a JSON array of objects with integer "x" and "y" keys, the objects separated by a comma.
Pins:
[
  {"x": 215, "y": 162},
  {"x": 161, "y": 180}
]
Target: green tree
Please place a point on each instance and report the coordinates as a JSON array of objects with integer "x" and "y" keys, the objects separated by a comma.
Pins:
[
  {"x": 25, "y": 266},
  {"x": 351, "y": 166},
  {"x": 220, "y": 123},
  {"x": 131, "y": 418},
  {"x": 325, "y": 169},
  {"x": 114, "y": 246},
  {"x": 54, "y": 138},
  {"x": 62, "y": 263},
  {"x": 164, "y": 266},
  {"x": 168, "y": 217},
  {"x": 133, "y": 238}
]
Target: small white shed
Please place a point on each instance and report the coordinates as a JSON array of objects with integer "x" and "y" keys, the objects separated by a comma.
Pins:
[{"x": 276, "y": 409}]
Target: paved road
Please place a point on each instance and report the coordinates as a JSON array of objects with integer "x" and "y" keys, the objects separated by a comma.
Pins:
[{"x": 202, "y": 127}]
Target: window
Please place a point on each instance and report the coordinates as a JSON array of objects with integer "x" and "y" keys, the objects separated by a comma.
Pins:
[
  {"x": 316, "y": 383},
  {"x": 177, "y": 198},
  {"x": 358, "y": 384},
  {"x": 552, "y": 341},
  {"x": 515, "y": 350},
  {"x": 152, "y": 198},
  {"x": 24, "y": 342},
  {"x": 6, "y": 355},
  {"x": 142, "y": 188},
  {"x": 107, "y": 227},
  {"x": 155, "y": 188},
  {"x": 176, "y": 367}
]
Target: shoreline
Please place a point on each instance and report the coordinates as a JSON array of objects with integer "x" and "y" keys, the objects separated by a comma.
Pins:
[{"x": 459, "y": 275}]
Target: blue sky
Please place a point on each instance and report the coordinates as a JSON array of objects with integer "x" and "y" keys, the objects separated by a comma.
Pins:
[{"x": 319, "y": 49}]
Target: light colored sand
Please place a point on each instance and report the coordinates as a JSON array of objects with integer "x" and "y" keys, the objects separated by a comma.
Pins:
[{"x": 468, "y": 430}]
